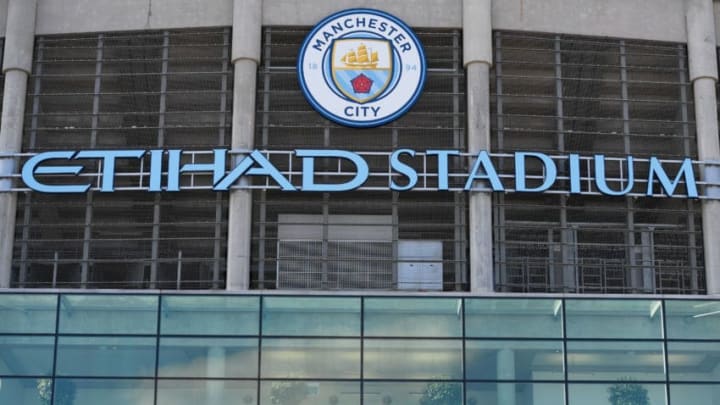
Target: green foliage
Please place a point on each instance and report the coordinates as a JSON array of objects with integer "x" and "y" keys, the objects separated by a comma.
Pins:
[
  {"x": 288, "y": 392},
  {"x": 64, "y": 394},
  {"x": 442, "y": 393},
  {"x": 627, "y": 392},
  {"x": 44, "y": 387}
]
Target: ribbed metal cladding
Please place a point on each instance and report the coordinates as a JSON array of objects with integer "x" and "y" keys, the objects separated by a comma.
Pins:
[
  {"x": 154, "y": 89},
  {"x": 358, "y": 240},
  {"x": 563, "y": 94}
]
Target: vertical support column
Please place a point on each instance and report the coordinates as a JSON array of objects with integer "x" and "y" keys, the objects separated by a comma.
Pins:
[
  {"x": 460, "y": 283},
  {"x": 215, "y": 368},
  {"x": 568, "y": 271},
  {"x": 27, "y": 213},
  {"x": 506, "y": 371},
  {"x": 85, "y": 265},
  {"x": 477, "y": 55},
  {"x": 325, "y": 223},
  {"x": 217, "y": 243},
  {"x": 715, "y": 396},
  {"x": 633, "y": 274},
  {"x": 17, "y": 65},
  {"x": 395, "y": 212},
  {"x": 247, "y": 34},
  {"x": 687, "y": 151},
  {"x": 262, "y": 203},
  {"x": 702, "y": 56},
  {"x": 500, "y": 265},
  {"x": 162, "y": 110}
]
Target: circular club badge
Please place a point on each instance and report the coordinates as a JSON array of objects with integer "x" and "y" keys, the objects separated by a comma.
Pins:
[{"x": 361, "y": 68}]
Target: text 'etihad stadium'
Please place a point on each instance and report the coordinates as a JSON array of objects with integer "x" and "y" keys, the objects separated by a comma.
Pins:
[{"x": 340, "y": 170}]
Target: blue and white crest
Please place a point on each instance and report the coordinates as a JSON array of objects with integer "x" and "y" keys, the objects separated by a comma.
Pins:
[{"x": 361, "y": 68}]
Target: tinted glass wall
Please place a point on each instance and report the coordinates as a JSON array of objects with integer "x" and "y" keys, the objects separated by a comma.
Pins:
[
  {"x": 562, "y": 94},
  {"x": 160, "y": 89},
  {"x": 77, "y": 349}
]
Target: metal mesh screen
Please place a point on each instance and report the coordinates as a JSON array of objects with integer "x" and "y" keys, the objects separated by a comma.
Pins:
[
  {"x": 556, "y": 93},
  {"x": 120, "y": 91},
  {"x": 364, "y": 239}
]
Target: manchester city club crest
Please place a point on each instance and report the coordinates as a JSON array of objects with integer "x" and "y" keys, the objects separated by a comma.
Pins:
[{"x": 361, "y": 68}]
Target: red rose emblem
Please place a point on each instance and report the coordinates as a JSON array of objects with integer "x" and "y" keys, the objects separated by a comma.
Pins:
[{"x": 361, "y": 84}]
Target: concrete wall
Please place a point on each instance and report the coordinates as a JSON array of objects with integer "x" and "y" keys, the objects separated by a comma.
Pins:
[
  {"x": 417, "y": 13},
  {"x": 643, "y": 19},
  {"x": 662, "y": 20},
  {"x": 716, "y": 5},
  {"x": 64, "y": 16},
  {"x": 3, "y": 16}
]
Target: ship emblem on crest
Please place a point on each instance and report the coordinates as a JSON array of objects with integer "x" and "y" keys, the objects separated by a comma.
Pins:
[{"x": 362, "y": 68}]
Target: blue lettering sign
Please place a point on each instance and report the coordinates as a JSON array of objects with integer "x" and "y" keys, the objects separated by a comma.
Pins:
[
  {"x": 108, "y": 163},
  {"x": 686, "y": 171},
  {"x": 245, "y": 167},
  {"x": 217, "y": 168},
  {"x": 574, "y": 173},
  {"x": 308, "y": 171},
  {"x": 351, "y": 171},
  {"x": 32, "y": 167},
  {"x": 483, "y": 169},
  {"x": 403, "y": 169},
  {"x": 550, "y": 172},
  {"x": 443, "y": 171},
  {"x": 601, "y": 182}
]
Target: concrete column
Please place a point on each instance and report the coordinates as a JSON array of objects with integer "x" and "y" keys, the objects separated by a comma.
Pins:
[
  {"x": 17, "y": 65},
  {"x": 702, "y": 57},
  {"x": 247, "y": 34},
  {"x": 477, "y": 55},
  {"x": 506, "y": 371},
  {"x": 215, "y": 368},
  {"x": 716, "y": 392}
]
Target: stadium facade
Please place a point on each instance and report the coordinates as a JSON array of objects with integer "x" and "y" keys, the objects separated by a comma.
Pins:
[{"x": 187, "y": 219}]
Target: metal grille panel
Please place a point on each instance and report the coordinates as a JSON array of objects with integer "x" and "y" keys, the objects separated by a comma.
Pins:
[
  {"x": 120, "y": 91},
  {"x": 568, "y": 94},
  {"x": 347, "y": 264},
  {"x": 285, "y": 121}
]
